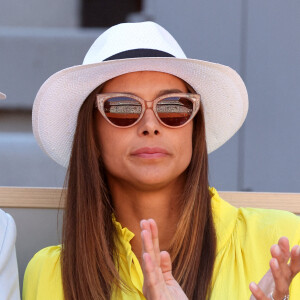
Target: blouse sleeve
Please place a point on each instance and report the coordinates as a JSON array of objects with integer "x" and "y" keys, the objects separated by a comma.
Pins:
[
  {"x": 9, "y": 279},
  {"x": 42, "y": 279}
]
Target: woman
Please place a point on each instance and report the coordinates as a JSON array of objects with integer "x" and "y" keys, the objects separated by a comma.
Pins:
[{"x": 145, "y": 118}]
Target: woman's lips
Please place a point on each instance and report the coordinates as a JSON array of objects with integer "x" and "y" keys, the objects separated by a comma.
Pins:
[
  {"x": 148, "y": 152},
  {"x": 150, "y": 155}
]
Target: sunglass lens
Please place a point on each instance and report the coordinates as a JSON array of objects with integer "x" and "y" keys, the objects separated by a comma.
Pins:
[
  {"x": 175, "y": 111},
  {"x": 122, "y": 111}
]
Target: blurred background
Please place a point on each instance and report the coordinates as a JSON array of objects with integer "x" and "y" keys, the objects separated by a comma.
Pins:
[{"x": 260, "y": 39}]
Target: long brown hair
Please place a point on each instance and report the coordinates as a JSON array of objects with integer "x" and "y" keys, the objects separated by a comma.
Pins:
[{"x": 88, "y": 248}]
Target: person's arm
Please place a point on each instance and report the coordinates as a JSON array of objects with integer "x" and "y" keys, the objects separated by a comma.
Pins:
[{"x": 9, "y": 278}]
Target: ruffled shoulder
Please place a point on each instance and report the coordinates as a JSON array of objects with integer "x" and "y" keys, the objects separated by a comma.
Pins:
[{"x": 224, "y": 216}]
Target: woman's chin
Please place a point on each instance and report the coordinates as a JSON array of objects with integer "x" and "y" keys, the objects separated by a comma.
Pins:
[{"x": 154, "y": 181}]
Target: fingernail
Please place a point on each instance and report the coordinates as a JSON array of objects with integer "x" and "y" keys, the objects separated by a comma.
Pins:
[
  {"x": 141, "y": 223},
  {"x": 277, "y": 250},
  {"x": 253, "y": 286},
  {"x": 276, "y": 265}
]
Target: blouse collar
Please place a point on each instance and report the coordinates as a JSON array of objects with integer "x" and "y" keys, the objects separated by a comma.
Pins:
[{"x": 123, "y": 232}]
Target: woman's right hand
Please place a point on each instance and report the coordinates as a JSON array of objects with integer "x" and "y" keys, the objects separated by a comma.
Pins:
[{"x": 159, "y": 283}]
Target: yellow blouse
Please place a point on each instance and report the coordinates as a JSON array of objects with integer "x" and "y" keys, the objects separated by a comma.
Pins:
[{"x": 244, "y": 238}]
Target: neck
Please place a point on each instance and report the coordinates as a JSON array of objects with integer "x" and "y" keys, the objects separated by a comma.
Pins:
[{"x": 159, "y": 203}]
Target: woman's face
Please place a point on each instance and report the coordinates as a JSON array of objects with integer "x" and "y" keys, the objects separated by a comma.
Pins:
[{"x": 118, "y": 146}]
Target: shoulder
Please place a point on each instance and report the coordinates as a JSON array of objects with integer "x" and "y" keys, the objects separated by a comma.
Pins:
[
  {"x": 259, "y": 228},
  {"x": 275, "y": 223},
  {"x": 47, "y": 255},
  {"x": 247, "y": 224},
  {"x": 43, "y": 274},
  {"x": 44, "y": 260}
]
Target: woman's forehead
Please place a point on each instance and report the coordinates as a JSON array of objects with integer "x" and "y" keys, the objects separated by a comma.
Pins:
[{"x": 145, "y": 80}]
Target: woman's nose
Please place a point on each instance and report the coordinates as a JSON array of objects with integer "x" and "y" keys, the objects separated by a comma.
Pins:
[{"x": 149, "y": 125}]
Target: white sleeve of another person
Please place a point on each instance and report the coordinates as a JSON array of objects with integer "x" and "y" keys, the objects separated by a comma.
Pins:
[{"x": 9, "y": 278}]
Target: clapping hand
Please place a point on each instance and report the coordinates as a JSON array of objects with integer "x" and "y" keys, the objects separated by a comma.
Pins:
[
  {"x": 159, "y": 283},
  {"x": 281, "y": 273}
]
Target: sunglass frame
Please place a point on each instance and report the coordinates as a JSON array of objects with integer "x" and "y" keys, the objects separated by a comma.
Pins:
[{"x": 101, "y": 98}]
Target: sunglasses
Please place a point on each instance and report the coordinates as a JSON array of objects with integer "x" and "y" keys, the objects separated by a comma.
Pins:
[{"x": 125, "y": 110}]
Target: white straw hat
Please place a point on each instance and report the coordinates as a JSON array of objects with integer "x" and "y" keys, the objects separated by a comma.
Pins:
[
  {"x": 2, "y": 96},
  {"x": 130, "y": 47}
]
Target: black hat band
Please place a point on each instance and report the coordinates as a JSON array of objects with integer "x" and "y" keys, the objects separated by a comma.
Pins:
[{"x": 134, "y": 53}]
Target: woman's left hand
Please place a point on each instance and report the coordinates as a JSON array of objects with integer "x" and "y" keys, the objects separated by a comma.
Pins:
[
  {"x": 159, "y": 283},
  {"x": 281, "y": 273}
]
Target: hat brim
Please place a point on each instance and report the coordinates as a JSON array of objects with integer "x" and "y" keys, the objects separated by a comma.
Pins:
[{"x": 55, "y": 109}]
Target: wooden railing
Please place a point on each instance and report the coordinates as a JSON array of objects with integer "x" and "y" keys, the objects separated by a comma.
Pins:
[{"x": 28, "y": 197}]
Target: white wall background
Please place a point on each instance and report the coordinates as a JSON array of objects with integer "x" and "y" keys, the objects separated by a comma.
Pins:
[{"x": 40, "y": 13}]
